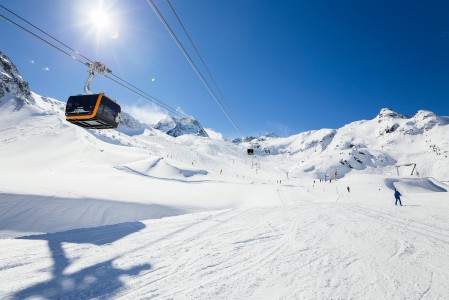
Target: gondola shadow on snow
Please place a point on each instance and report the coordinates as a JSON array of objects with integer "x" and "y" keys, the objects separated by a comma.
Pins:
[{"x": 99, "y": 280}]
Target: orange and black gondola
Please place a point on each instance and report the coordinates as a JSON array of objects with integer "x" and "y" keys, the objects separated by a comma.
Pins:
[{"x": 93, "y": 111}]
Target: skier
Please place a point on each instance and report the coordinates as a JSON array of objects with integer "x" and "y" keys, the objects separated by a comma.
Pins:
[
  {"x": 397, "y": 196},
  {"x": 348, "y": 189}
]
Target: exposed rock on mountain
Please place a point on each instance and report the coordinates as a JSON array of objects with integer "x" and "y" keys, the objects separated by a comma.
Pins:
[
  {"x": 177, "y": 127},
  {"x": 12, "y": 85}
]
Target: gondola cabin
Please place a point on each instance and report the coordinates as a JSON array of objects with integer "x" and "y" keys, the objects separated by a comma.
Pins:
[
  {"x": 93, "y": 111},
  {"x": 250, "y": 151}
]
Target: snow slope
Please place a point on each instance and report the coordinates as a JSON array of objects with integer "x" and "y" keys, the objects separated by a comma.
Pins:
[
  {"x": 313, "y": 243},
  {"x": 135, "y": 213}
]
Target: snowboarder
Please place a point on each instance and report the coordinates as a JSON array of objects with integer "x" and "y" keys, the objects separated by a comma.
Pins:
[{"x": 397, "y": 196}]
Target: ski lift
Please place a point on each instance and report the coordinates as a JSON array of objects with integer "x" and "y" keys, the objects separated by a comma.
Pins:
[
  {"x": 250, "y": 150},
  {"x": 93, "y": 110},
  {"x": 255, "y": 163}
]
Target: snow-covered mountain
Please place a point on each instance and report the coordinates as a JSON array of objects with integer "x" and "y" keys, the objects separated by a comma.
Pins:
[
  {"x": 176, "y": 127},
  {"x": 370, "y": 146}
]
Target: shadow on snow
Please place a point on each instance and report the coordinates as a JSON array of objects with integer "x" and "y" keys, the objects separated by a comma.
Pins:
[{"x": 99, "y": 280}]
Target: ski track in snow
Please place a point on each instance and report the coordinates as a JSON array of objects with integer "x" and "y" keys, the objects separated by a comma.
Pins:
[{"x": 296, "y": 249}]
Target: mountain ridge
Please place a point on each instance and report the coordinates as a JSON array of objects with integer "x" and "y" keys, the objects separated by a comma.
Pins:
[{"x": 370, "y": 146}]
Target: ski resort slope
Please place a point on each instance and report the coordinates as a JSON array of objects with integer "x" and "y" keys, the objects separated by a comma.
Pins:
[
  {"x": 106, "y": 215},
  {"x": 134, "y": 213},
  {"x": 296, "y": 242}
]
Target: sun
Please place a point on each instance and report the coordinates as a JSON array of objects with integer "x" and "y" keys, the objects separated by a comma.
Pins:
[{"x": 100, "y": 19}]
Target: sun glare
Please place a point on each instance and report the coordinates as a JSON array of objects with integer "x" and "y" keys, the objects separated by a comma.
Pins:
[{"x": 100, "y": 19}]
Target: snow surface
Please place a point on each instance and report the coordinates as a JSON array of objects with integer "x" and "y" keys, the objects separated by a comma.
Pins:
[{"x": 138, "y": 214}]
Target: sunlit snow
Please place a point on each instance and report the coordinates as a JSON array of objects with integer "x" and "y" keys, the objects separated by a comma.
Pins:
[{"x": 136, "y": 214}]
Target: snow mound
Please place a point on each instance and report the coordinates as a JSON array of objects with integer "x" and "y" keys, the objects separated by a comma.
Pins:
[
  {"x": 415, "y": 185},
  {"x": 31, "y": 214},
  {"x": 157, "y": 167}
]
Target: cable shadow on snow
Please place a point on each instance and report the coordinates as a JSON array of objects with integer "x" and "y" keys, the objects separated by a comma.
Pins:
[{"x": 99, "y": 280}]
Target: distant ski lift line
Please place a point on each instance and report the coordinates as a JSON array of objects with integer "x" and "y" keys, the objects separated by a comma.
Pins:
[
  {"x": 123, "y": 82},
  {"x": 406, "y": 165}
]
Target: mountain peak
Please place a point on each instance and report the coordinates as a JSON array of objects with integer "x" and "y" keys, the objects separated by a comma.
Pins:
[
  {"x": 389, "y": 113},
  {"x": 177, "y": 127},
  {"x": 424, "y": 114},
  {"x": 426, "y": 120},
  {"x": 130, "y": 125},
  {"x": 13, "y": 84}
]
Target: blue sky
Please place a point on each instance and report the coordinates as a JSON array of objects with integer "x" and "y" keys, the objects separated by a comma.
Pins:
[{"x": 283, "y": 66}]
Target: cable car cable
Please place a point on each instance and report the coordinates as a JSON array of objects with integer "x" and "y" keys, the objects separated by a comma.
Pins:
[
  {"x": 153, "y": 99},
  {"x": 197, "y": 51},
  {"x": 40, "y": 38},
  {"x": 192, "y": 64},
  {"x": 148, "y": 96},
  {"x": 50, "y": 36}
]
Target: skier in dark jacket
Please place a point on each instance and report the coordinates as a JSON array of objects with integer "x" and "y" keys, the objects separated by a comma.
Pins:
[{"x": 397, "y": 196}]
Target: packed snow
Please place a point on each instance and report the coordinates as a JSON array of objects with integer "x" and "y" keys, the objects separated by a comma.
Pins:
[{"x": 134, "y": 213}]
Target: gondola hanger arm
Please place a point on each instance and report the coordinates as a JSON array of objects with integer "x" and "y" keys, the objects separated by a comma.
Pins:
[{"x": 94, "y": 67}]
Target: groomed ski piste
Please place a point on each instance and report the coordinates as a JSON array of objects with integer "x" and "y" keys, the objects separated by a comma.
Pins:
[{"x": 123, "y": 214}]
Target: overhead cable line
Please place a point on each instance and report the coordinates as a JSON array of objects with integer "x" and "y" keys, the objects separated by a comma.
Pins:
[
  {"x": 53, "y": 38},
  {"x": 191, "y": 62},
  {"x": 40, "y": 38},
  {"x": 142, "y": 94},
  {"x": 197, "y": 51},
  {"x": 124, "y": 83}
]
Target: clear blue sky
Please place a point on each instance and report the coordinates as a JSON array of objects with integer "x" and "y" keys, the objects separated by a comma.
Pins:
[{"x": 283, "y": 66}]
